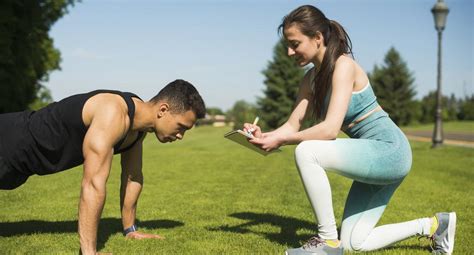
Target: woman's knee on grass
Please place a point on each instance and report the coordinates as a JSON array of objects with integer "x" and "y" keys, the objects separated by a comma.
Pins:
[{"x": 353, "y": 242}]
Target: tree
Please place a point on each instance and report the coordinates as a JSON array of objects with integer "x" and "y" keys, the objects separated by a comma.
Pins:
[
  {"x": 452, "y": 108},
  {"x": 242, "y": 112},
  {"x": 27, "y": 54},
  {"x": 282, "y": 78},
  {"x": 214, "y": 111},
  {"x": 393, "y": 85},
  {"x": 43, "y": 98},
  {"x": 466, "y": 108},
  {"x": 449, "y": 108}
]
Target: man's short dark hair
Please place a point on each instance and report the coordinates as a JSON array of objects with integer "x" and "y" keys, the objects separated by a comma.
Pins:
[{"x": 182, "y": 96}]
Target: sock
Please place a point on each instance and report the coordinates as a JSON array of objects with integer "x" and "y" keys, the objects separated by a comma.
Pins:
[
  {"x": 434, "y": 225},
  {"x": 426, "y": 226},
  {"x": 332, "y": 243}
]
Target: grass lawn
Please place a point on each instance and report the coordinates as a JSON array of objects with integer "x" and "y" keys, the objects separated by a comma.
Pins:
[
  {"x": 207, "y": 195},
  {"x": 452, "y": 126}
]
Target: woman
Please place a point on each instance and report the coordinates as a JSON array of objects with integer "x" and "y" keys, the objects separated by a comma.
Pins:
[{"x": 377, "y": 156}]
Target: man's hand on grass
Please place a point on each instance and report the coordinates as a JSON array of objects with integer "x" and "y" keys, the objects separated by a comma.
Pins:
[{"x": 138, "y": 235}]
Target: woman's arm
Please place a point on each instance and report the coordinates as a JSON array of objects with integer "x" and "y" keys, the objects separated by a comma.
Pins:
[{"x": 342, "y": 84}]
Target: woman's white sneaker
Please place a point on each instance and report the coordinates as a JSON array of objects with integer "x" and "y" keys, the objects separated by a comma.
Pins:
[{"x": 442, "y": 241}]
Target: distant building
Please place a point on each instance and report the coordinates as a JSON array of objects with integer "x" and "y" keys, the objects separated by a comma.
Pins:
[{"x": 217, "y": 120}]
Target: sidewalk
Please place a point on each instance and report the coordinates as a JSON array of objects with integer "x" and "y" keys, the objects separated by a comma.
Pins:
[{"x": 449, "y": 138}]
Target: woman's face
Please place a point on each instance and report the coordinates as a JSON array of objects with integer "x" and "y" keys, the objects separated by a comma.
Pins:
[{"x": 302, "y": 48}]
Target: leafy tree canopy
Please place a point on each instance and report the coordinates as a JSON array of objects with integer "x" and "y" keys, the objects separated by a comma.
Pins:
[
  {"x": 282, "y": 79},
  {"x": 393, "y": 85},
  {"x": 27, "y": 53}
]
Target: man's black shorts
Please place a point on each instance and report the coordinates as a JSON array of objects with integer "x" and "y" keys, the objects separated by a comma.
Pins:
[{"x": 9, "y": 178}]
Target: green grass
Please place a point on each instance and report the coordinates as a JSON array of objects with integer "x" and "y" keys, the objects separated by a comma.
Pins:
[
  {"x": 207, "y": 195},
  {"x": 453, "y": 126}
]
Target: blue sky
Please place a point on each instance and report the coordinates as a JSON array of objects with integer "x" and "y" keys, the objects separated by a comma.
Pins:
[{"x": 222, "y": 46}]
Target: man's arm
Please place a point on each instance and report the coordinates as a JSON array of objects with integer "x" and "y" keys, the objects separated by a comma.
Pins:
[
  {"x": 106, "y": 128},
  {"x": 131, "y": 183},
  {"x": 130, "y": 188}
]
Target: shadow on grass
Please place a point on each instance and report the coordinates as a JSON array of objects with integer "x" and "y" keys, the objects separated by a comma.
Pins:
[
  {"x": 107, "y": 227},
  {"x": 289, "y": 226}
]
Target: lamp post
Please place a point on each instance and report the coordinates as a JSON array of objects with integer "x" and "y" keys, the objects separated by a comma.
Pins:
[{"x": 440, "y": 12}]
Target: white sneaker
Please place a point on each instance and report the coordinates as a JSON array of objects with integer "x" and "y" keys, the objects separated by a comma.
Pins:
[{"x": 442, "y": 241}]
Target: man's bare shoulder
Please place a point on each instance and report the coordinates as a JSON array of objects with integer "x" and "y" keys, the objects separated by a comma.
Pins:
[{"x": 105, "y": 107}]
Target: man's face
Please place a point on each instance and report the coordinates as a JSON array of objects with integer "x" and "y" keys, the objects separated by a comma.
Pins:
[{"x": 171, "y": 126}]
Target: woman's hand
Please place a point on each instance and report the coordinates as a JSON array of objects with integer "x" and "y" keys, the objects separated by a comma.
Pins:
[
  {"x": 252, "y": 129},
  {"x": 267, "y": 141}
]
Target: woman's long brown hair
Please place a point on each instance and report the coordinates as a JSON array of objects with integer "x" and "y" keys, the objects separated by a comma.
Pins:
[{"x": 311, "y": 20}]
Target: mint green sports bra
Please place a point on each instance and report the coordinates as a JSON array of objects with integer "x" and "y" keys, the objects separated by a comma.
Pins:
[{"x": 362, "y": 102}]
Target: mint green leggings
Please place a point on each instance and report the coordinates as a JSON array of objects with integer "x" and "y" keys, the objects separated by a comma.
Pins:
[{"x": 377, "y": 157}]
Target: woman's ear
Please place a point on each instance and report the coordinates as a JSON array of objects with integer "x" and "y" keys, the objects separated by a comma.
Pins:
[{"x": 319, "y": 38}]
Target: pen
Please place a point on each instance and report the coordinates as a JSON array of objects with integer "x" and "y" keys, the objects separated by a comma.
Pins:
[{"x": 254, "y": 123}]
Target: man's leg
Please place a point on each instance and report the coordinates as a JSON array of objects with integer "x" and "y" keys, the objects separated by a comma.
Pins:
[{"x": 9, "y": 178}]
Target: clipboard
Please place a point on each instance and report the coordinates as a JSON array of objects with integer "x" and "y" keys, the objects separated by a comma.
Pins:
[{"x": 240, "y": 137}]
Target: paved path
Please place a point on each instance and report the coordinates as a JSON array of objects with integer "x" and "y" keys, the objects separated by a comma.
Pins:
[{"x": 465, "y": 139}]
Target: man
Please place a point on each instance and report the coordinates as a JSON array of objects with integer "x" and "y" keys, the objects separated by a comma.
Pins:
[{"x": 89, "y": 129}]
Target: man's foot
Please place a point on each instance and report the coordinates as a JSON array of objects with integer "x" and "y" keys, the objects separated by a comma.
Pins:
[
  {"x": 318, "y": 246},
  {"x": 442, "y": 240}
]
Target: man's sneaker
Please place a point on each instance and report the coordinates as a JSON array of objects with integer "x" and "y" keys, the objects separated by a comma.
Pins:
[
  {"x": 316, "y": 246},
  {"x": 442, "y": 241}
]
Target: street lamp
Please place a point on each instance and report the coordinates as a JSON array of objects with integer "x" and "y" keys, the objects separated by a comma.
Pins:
[{"x": 440, "y": 12}]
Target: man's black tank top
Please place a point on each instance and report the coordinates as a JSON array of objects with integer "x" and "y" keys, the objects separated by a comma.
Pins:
[{"x": 50, "y": 140}]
